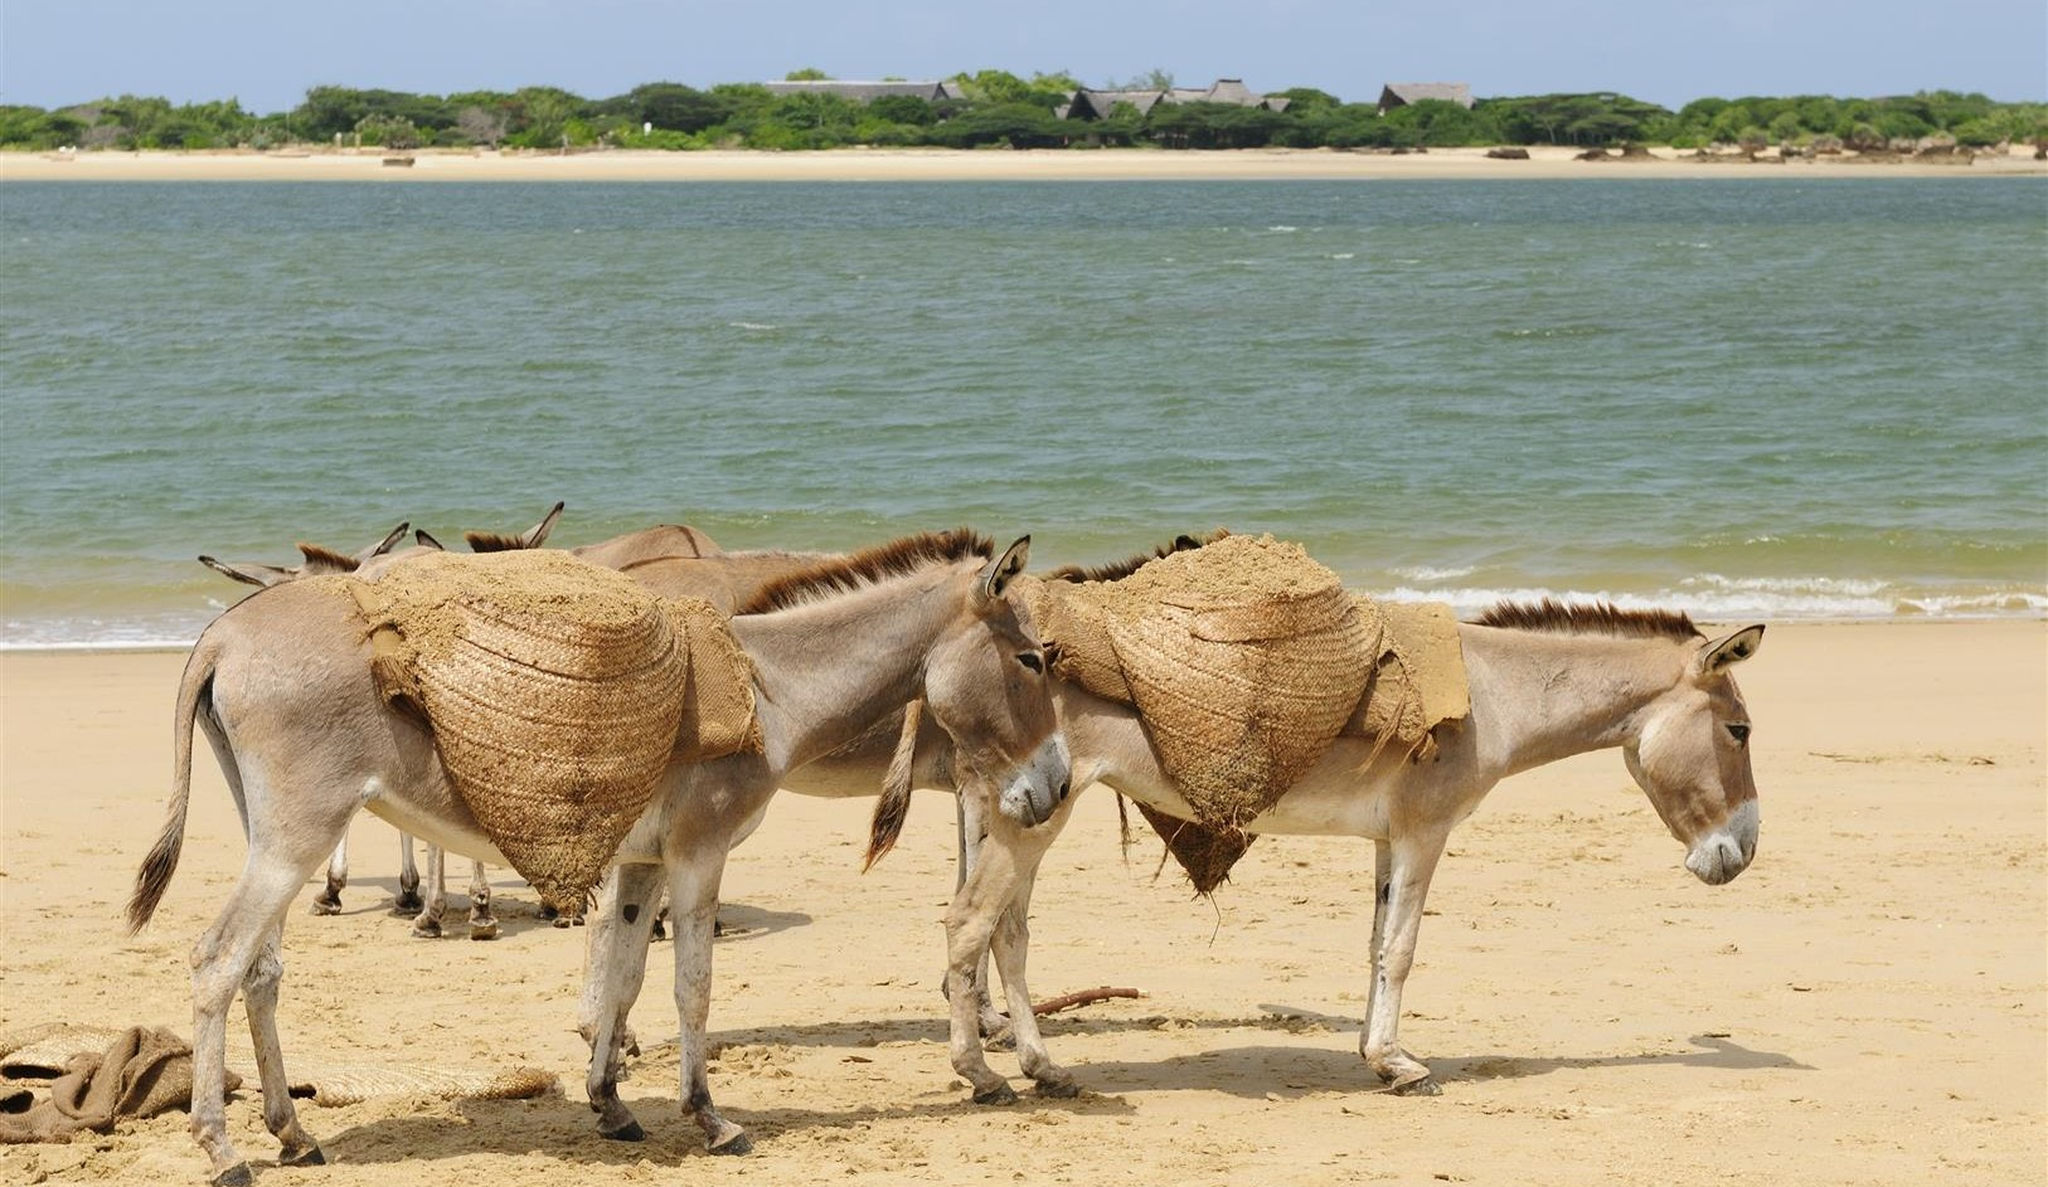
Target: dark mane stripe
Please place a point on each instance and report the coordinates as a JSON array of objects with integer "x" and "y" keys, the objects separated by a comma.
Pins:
[
  {"x": 894, "y": 559},
  {"x": 1589, "y": 618},
  {"x": 494, "y": 542},
  {"x": 318, "y": 558},
  {"x": 1118, "y": 570}
]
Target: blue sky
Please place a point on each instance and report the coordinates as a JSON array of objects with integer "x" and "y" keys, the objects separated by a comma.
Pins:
[{"x": 266, "y": 53}]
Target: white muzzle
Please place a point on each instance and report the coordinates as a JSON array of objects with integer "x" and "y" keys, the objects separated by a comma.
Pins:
[{"x": 1039, "y": 787}]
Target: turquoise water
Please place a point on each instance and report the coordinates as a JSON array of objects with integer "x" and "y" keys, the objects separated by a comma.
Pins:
[{"x": 1765, "y": 398}]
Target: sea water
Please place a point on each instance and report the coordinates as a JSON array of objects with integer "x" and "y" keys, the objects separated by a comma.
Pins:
[{"x": 1746, "y": 398}]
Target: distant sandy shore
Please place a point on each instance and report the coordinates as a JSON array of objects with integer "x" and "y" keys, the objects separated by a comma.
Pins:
[
  {"x": 855, "y": 164},
  {"x": 1863, "y": 1006}
]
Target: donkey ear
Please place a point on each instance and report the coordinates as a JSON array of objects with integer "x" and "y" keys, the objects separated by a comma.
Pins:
[
  {"x": 1715, "y": 657},
  {"x": 249, "y": 574},
  {"x": 997, "y": 576},
  {"x": 425, "y": 539},
  {"x": 538, "y": 532},
  {"x": 383, "y": 546}
]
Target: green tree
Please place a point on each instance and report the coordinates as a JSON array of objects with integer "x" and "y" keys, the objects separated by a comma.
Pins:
[
  {"x": 807, "y": 74},
  {"x": 903, "y": 109}
]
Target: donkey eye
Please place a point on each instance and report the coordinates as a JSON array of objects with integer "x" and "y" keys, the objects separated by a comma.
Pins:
[
  {"x": 1739, "y": 732},
  {"x": 1030, "y": 660}
]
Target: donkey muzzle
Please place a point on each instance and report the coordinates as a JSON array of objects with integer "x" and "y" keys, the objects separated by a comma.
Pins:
[
  {"x": 1037, "y": 788},
  {"x": 1728, "y": 850}
]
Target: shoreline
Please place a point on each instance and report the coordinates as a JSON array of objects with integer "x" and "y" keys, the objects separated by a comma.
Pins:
[
  {"x": 116, "y": 648},
  {"x": 1547, "y": 163}
]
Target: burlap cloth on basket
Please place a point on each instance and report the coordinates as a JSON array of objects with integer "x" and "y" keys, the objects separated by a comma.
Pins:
[
  {"x": 558, "y": 692},
  {"x": 1245, "y": 660}
]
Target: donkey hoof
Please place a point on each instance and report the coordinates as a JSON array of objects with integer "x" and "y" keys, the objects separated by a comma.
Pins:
[
  {"x": 738, "y": 1143},
  {"x": 238, "y": 1175},
  {"x": 408, "y": 902},
  {"x": 426, "y": 929},
  {"x": 310, "y": 1156},
  {"x": 483, "y": 931},
  {"x": 1063, "y": 1088},
  {"x": 1001, "y": 1094},
  {"x": 1423, "y": 1085},
  {"x": 629, "y": 1132},
  {"x": 326, "y": 906}
]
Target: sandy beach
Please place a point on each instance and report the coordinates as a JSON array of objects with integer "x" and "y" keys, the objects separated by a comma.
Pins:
[
  {"x": 1864, "y": 1005},
  {"x": 858, "y": 164}
]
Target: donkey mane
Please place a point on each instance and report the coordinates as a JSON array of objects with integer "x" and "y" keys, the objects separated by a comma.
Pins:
[
  {"x": 318, "y": 557},
  {"x": 494, "y": 541},
  {"x": 1118, "y": 570},
  {"x": 1589, "y": 618},
  {"x": 894, "y": 559}
]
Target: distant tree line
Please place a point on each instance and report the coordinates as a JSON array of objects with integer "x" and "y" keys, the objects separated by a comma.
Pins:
[{"x": 998, "y": 108}]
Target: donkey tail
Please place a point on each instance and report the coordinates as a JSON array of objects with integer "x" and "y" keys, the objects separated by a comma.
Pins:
[
  {"x": 155, "y": 875},
  {"x": 893, "y": 808}
]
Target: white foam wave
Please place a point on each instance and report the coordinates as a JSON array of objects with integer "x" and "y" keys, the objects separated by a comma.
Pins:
[
  {"x": 1761, "y": 599},
  {"x": 1431, "y": 573},
  {"x": 751, "y": 325}
]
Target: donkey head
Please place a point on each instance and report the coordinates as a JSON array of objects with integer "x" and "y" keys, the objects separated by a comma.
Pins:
[
  {"x": 318, "y": 561},
  {"x": 987, "y": 682},
  {"x": 1691, "y": 756}
]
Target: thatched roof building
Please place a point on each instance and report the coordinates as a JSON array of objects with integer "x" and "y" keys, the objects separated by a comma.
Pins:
[
  {"x": 1094, "y": 105},
  {"x": 1401, "y": 94}
]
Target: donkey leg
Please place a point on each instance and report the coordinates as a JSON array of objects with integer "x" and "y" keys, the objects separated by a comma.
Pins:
[
  {"x": 1007, "y": 856},
  {"x": 482, "y": 924},
  {"x": 1382, "y": 873},
  {"x": 970, "y": 824},
  {"x": 1012, "y": 942},
  {"x": 222, "y": 963},
  {"x": 259, "y": 994},
  {"x": 1412, "y": 866},
  {"x": 328, "y": 901},
  {"x": 614, "y": 965},
  {"x": 427, "y": 924},
  {"x": 408, "y": 878},
  {"x": 694, "y": 875}
]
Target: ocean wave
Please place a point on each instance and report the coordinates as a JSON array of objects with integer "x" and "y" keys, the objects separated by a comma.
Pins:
[
  {"x": 1431, "y": 573},
  {"x": 1763, "y": 599}
]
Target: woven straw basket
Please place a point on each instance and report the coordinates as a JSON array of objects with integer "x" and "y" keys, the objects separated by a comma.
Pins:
[
  {"x": 556, "y": 733},
  {"x": 558, "y": 693},
  {"x": 1241, "y": 699}
]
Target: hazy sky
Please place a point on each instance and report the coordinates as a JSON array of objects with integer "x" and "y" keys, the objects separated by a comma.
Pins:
[{"x": 267, "y": 53}]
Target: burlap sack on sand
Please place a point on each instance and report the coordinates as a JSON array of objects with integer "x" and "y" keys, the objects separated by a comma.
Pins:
[
  {"x": 557, "y": 692},
  {"x": 1244, "y": 659},
  {"x": 138, "y": 1072}
]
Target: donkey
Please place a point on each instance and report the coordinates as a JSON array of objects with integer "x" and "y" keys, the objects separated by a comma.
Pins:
[
  {"x": 662, "y": 542},
  {"x": 318, "y": 562},
  {"x": 282, "y": 686},
  {"x": 483, "y": 925},
  {"x": 1548, "y": 681}
]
